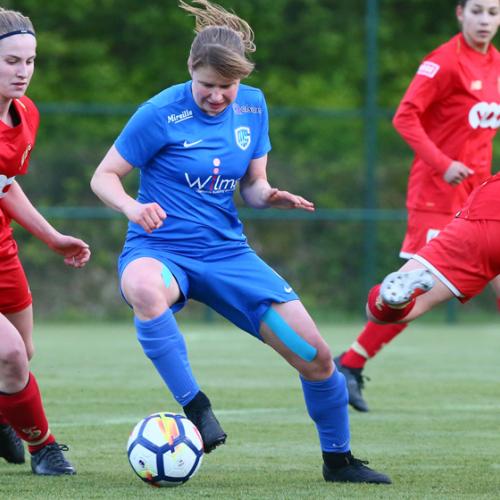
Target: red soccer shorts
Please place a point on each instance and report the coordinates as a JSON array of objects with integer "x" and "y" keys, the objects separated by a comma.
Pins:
[
  {"x": 15, "y": 294},
  {"x": 421, "y": 228},
  {"x": 465, "y": 256}
]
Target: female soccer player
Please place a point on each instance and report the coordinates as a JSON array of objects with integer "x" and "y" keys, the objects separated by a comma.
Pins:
[
  {"x": 21, "y": 408},
  {"x": 459, "y": 262},
  {"x": 193, "y": 144},
  {"x": 448, "y": 116}
]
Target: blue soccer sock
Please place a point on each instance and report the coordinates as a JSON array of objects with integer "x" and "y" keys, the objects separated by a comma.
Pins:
[
  {"x": 164, "y": 345},
  {"x": 326, "y": 402}
]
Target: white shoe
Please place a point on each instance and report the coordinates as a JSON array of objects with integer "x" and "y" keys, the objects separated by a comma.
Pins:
[{"x": 401, "y": 287}]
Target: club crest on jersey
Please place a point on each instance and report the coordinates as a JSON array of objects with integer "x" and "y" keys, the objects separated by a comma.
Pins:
[
  {"x": 243, "y": 137},
  {"x": 428, "y": 69}
]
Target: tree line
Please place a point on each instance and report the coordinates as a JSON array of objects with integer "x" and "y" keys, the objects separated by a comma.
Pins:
[{"x": 104, "y": 57}]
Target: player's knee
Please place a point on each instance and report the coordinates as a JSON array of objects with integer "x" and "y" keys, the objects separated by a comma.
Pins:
[
  {"x": 321, "y": 367},
  {"x": 13, "y": 367},
  {"x": 147, "y": 299}
]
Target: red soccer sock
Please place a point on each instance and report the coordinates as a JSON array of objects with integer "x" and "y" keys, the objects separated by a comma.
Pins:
[
  {"x": 370, "y": 341},
  {"x": 25, "y": 413},
  {"x": 384, "y": 312}
]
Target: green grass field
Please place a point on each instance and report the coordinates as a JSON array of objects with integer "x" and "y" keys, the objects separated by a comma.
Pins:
[{"x": 434, "y": 426}]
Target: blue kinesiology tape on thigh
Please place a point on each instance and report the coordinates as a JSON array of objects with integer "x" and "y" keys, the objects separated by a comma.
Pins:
[
  {"x": 166, "y": 275},
  {"x": 288, "y": 335}
]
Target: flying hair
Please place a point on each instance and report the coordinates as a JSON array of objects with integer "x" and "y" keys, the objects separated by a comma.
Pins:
[
  {"x": 215, "y": 15},
  {"x": 222, "y": 40}
]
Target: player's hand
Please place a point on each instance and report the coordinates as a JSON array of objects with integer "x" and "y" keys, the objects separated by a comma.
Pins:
[
  {"x": 284, "y": 199},
  {"x": 456, "y": 173},
  {"x": 149, "y": 216},
  {"x": 75, "y": 251}
]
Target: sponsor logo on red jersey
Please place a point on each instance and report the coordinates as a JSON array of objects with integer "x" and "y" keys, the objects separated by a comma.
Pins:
[
  {"x": 428, "y": 69},
  {"x": 485, "y": 115}
]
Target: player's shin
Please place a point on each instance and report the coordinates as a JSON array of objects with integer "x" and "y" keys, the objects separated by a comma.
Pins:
[
  {"x": 326, "y": 402},
  {"x": 25, "y": 413},
  {"x": 164, "y": 345}
]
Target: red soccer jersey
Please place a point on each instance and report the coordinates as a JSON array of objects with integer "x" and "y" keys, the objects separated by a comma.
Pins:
[
  {"x": 16, "y": 144},
  {"x": 484, "y": 202},
  {"x": 450, "y": 111}
]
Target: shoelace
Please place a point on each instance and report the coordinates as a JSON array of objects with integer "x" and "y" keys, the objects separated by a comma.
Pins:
[
  {"x": 358, "y": 462},
  {"x": 360, "y": 379},
  {"x": 53, "y": 454}
]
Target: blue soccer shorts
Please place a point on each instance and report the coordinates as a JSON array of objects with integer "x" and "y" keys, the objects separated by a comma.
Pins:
[{"x": 239, "y": 285}]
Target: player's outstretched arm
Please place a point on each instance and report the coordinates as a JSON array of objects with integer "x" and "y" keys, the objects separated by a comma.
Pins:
[
  {"x": 17, "y": 205},
  {"x": 257, "y": 192},
  {"x": 284, "y": 199}
]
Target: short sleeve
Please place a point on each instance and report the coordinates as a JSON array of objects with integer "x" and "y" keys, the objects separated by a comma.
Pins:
[
  {"x": 143, "y": 136},
  {"x": 263, "y": 145}
]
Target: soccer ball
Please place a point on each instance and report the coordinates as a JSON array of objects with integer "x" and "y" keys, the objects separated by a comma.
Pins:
[{"x": 165, "y": 449}]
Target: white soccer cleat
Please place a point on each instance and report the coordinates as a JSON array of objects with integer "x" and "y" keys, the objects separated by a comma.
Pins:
[{"x": 401, "y": 287}]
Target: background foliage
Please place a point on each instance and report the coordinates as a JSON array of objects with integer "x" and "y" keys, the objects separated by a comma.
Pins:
[{"x": 98, "y": 59}]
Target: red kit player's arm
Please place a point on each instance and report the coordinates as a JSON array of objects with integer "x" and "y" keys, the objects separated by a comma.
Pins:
[
  {"x": 19, "y": 208},
  {"x": 421, "y": 93}
]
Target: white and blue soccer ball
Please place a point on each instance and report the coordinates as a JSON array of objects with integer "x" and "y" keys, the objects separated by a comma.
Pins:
[{"x": 165, "y": 449}]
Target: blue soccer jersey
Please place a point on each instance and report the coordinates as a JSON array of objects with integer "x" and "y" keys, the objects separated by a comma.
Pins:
[{"x": 190, "y": 164}]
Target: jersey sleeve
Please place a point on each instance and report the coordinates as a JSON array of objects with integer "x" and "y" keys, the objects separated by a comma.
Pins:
[
  {"x": 263, "y": 145},
  {"x": 433, "y": 80},
  {"x": 143, "y": 136}
]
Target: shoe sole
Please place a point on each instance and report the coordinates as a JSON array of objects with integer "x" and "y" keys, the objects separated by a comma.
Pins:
[
  {"x": 376, "y": 477},
  {"x": 399, "y": 288}
]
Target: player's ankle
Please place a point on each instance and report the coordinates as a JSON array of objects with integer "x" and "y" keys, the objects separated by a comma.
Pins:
[
  {"x": 384, "y": 312},
  {"x": 335, "y": 460}
]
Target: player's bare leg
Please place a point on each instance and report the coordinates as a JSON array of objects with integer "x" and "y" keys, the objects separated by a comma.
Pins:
[
  {"x": 20, "y": 399},
  {"x": 412, "y": 287}
]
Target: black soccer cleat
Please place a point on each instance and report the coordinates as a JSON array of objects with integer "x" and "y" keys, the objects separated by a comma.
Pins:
[
  {"x": 209, "y": 427},
  {"x": 355, "y": 471},
  {"x": 50, "y": 461},
  {"x": 11, "y": 446},
  {"x": 355, "y": 382}
]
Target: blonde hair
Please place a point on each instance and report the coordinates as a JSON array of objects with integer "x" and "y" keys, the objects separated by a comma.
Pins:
[
  {"x": 12, "y": 21},
  {"x": 222, "y": 40}
]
